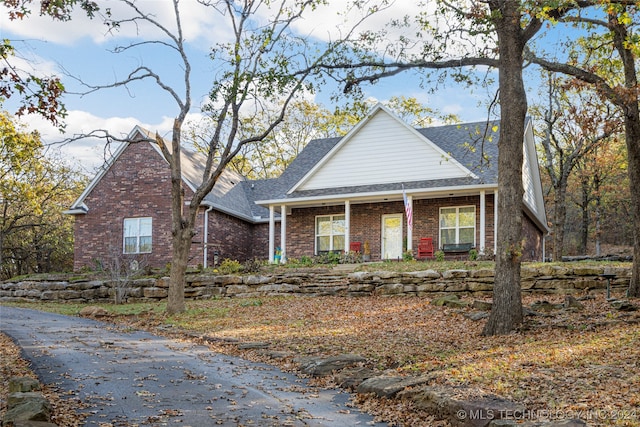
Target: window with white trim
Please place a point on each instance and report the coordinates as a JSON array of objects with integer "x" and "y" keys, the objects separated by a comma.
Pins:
[
  {"x": 458, "y": 225},
  {"x": 330, "y": 233},
  {"x": 137, "y": 235}
]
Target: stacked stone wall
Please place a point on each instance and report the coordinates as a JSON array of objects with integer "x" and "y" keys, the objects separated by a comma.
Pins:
[{"x": 543, "y": 280}]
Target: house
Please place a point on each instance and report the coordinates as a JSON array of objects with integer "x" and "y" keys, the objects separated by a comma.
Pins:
[{"x": 338, "y": 191}]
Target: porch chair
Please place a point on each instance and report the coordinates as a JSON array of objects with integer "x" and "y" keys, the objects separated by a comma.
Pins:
[
  {"x": 355, "y": 246},
  {"x": 425, "y": 248}
]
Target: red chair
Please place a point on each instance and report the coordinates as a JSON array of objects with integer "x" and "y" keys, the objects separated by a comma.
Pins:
[
  {"x": 425, "y": 248},
  {"x": 355, "y": 246}
]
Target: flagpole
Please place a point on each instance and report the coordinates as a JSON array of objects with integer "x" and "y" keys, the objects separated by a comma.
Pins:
[{"x": 408, "y": 208}]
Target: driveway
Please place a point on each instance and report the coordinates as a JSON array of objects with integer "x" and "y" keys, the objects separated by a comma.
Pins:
[{"x": 131, "y": 377}]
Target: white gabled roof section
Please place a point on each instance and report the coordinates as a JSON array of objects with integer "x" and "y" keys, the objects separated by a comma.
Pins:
[
  {"x": 79, "y": 206},
  {"x": 531, "y": 182},
  {"x": 381, "y": 149}
]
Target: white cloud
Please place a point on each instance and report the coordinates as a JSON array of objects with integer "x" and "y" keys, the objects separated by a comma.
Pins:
[
  {"x": 90, "y": 152},
  {"x": 198, "y": 22}
]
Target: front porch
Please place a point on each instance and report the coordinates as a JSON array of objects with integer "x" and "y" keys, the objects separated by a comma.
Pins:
[{"x": 307, "y": 230}]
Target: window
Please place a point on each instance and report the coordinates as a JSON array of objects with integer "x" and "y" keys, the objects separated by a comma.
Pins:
[
  {"x": 137, "y": 235},
  {"x": 458, "y": 225},
  {"x": 330, "y": 233}
]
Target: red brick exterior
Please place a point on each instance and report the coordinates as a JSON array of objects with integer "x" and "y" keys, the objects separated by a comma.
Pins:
[
  {"x": 533, "y": 241},
  {"x": 236, "y": 239},
  {"x": 138, "y": 185},
  {"x": 366, "y": 223}
]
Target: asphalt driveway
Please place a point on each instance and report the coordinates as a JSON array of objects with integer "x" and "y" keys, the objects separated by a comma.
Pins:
[{"x": 136, "y": 378}]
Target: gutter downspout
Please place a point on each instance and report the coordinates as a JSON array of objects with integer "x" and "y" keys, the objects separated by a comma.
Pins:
[{"x": 206, "y": 235}]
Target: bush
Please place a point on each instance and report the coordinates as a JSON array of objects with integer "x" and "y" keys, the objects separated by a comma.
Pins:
[
  {"x": 252, "y": 266},
  {"x": 439, "y": 255},
  {"x": 351, "y": 257},
  {"x": 473, "y": 255},
  {"x": 327, "y": 258},
  {"x": 407, "y": 256},
  {"x": 306, "y": 260},
  {"x": 230, "y": 266}
]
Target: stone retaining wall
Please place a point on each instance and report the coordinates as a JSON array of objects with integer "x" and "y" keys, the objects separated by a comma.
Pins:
[{"x": 545, "y": 279}]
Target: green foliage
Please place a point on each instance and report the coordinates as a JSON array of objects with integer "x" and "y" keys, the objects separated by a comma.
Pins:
[
  {"x": 328, "y": 258},
  {"x": 35, "y": 236},
  {"x": 473, "y": 255},
  {"x": 306, "y": 260},
  {"x": 407, "y": 256},
  {"x": 439, "y": 256},
  {"x": 230, "y": 266}
]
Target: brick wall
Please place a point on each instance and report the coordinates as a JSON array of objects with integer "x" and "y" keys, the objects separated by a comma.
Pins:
[
  {"x": 139, "y": 186},
  {"x": 532, "y": 241},
  {"x": 230, "y": 237},
  {"x": 366, "y": 222}
]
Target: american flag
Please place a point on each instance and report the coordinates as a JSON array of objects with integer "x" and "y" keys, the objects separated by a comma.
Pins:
[{"x": 407, "y": 208}]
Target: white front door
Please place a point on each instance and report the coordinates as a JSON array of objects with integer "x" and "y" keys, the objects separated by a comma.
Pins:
[{"x": 392, "y": 236}]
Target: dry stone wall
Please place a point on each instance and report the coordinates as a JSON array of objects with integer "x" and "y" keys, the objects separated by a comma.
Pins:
[{"x": 545, "y": 279}]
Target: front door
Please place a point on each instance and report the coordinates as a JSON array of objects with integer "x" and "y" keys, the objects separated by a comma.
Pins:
[{"x": 392, "y": 236}]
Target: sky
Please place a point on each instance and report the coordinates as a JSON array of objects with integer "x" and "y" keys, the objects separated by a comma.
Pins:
[{"x": 82, "y": 49}]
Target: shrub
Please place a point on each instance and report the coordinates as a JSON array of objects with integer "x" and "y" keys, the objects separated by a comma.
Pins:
[
  {"x": 327, "y": 258},
  {"x": 351, "y": 257},
  {"x": 306, "y": 260},
  {"x": 230, "y": 266},
  {"x": 439, "y": 255},
  {"x": 252, "y": 266},
  {"x": 473, "y": 255},
  {"x": 407, "y": 256}
]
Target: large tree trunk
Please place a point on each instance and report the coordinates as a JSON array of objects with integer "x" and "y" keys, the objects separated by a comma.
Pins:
[
  {"x": 181, "y": 246},
  {"x": 181, "y": 229},
  {"x": 631, "y": 112},
  {"x": 506, "y": 312},
  {"x": 559, "y": 218},
  {"x": 632, "y": 131}
]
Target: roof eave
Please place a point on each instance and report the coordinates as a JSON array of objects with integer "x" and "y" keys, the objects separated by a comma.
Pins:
[{"x": 376, "y": 196}]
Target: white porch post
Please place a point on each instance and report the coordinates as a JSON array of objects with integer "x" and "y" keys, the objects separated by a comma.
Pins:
[
  {"x": 483, "y": 228},
  {"x": 347, "y": 226},
  {"x": 283, "y": 234},
  {"x": 495, "y": 222},
  {"x": 272, "y": 234},
  {"x": 410, "y": 228}
]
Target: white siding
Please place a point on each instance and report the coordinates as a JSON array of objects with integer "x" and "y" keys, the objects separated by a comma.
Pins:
[
  {"x": 383, "y": 151},
  {"x": 527, "y": 180}
]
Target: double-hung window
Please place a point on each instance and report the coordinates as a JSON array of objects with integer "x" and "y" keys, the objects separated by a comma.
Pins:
[
  {"x": 330, "y": 233},
  {"x": 458, "y": 225},
  {"x": 137, "y": 235}
]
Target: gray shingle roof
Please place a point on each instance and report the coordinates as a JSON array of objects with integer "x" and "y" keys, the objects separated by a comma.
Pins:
[{"x": 474, "y": 145}]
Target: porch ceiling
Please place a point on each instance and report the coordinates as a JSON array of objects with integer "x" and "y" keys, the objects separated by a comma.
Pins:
[{"x": 375, "y": 197}]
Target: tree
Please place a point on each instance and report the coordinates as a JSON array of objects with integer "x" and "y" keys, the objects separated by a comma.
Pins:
[
  {"x": 494, "y": 34},
  {"x": 607, "y": 60},
  {"x": 263, "y": 64},
  {"x": 38, "y": 94},
  {"x": 576, "y": 124},
  {"x": 34, "y": 234},
  {"x": 602, "y": 196}
]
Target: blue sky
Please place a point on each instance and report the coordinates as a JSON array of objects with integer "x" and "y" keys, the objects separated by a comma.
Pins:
[{"x": 82, "y": 47}]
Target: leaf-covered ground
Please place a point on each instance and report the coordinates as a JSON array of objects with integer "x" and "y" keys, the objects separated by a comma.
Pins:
[
  {"x": 561, "y": 364},
  {"x": 63, "y": 410}
]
